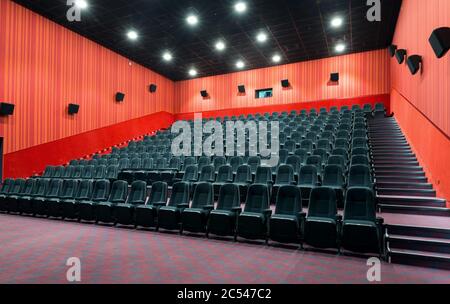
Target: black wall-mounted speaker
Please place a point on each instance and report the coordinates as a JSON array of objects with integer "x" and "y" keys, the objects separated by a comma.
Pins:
[
  {"x": 392, "y": 48},
  {"x": 73, "y": 108},
  {"x": 152, "y": 88},
  {"x": 204, "y": 93},
  {"x": 414, "y": 62},
  {"x": 440, "y": 41},
  {"x": 285, "y": 83},
  {"x": 241, "y": 89},
  {"x": 400, "y": 55},
  {"x": 334, "y": 77},
  {"x": 6, "y": 109},
  {"x": 120, "y": 97}
]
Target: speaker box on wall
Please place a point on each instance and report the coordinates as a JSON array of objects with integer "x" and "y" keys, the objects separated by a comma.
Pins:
[
  {"x": 392, "y": 48},
  {"x": 414, "y": 62},
  {"x": 334, "y": 77},
  {"x": 440, "y": 41},
  {"x": 120, "y": 97},
  {"x": 400, "y": 55},
  {"x": 241, "y": 89},
  {"x": 204, "y": 93},
  {"x": 152, "y": 88},
  {"x": 6, "y": 109},
  {"x": 285, "y": 83},
  {"x": 73, "y": 108}
]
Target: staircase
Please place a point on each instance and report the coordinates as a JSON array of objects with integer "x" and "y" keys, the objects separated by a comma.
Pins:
[{"x": 402, "y": 187}]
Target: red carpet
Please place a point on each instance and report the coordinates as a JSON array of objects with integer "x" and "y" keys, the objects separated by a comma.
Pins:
[{"x": 35, "y": 251}]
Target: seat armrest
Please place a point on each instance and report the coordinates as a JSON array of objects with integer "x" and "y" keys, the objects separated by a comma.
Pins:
[
  {"x": 302, "y": 214},
  {"x": 339, "y": 217},
  {"x": 159, "y": 204},
  {"x": 238, "y": 210},
  {"x": 379, "y": 221},
  {"x": 229, "y": 180},
  {"x": 267, "y": 212},
  {"x": 208, "y": 207}
]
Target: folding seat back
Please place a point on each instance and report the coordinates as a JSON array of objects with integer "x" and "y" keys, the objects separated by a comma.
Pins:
[
  {"x": 356, "y": 107},
  {"x": 324, "y": 144},
  {"x": 360, "y": 205},
  {"x": 112, "y": 171},
  {"x": 190, "y": 173},
  {"x": 188, "y": 161},
  {"x": 359, "y": 160},
  {"x": 322, "y": 203},
  {"x": 69, "y": 189},
  {"x": 49, "y": 171},
  {"x": 359, "y": 176},
  {"x": 343, "y": 134},
  {"x": 207, "y": 174},
  {"x": 283, "y": 154},
  {"x": 295, "y": 162},
  {"x": 315, "y": 160},
  {"x": 290, "y": 145},
  {"x": 243, "y": 174},
  {"x": 287, "y": 130},
  {"x": 100, "y": 191},
  {"x": 301, "y": 130},
  {"x": 225, "y": 174},
  {"x": 360, "y": 151},
  {"x": 337, "y": 160},
  {"x": 229, "y": 197},
  {"x": 203, "y": 161},
  {"x": 92, "y": 162},
  {"x": 311, "y": 136},
  {"x": 359, "y": 134},
  {"x": 359, "y": 126},
  {"x": 113, "y": 162},
  {"x": 322, "y": 153},
  {"x": 58, "y": 172},
  {"x": 288, "y": 201},
  {"x": 7, "y": 186},
  {"x": 367, "y": 108},
  {"x": 263, "y": 175},
  {"x": 307, "y": 145},
  {"x": 175, "y": 163},
  {"x": 158, "y": 193},
  {"x": 29, "y": 187},
  {"x": 285, "y": 175},
  {"x": 147, "y": 163},
  {"x": 308, "y": 175},
  {"x": 341, "y": 152},
  {"x": 54, "y": 188},
  {"x": 102, "y": 162},
  {"x": 124, "y": 163},
  {"x": 379, "y": 107},
  {"x": 16, "y": 187},
  {"x": 296, "y": 137},
  {"x": 119, "y": 191},
  {"x": 257, "y": 199},
  {"x": 254, "y": 162},
  {"x": 203, "y": 195},
  {"x": 161, "y": 163},
  {"x": 218, "y": 162},
  {"x": 328, "y": 135},
  {"x": 138, "y": 193},
  {"x": 135, "y": 163},
  {"x": 180, "y": 194},
  {"x": 302, "y": 154},
  {"x": 282, "y": 137},
  {"x": 100, "y": 172},
  {"x": 341, "y": 143},
  {"x": 235, "y": 162},
  {"x": 333, "y": 176},
  {"x": 42, "y": 187},
  {"x": 88, "y": 172},
  {"x": 82, "y": 162},
  {"x": 73, "y": 162}
]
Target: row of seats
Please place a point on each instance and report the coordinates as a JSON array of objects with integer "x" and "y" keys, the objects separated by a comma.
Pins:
[{"x": 359, "y": 229}]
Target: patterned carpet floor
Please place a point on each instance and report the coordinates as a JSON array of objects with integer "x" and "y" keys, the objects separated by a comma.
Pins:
[{"x": 35, "y": 251}]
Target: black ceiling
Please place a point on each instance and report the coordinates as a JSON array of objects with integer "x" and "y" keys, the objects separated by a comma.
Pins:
[{"x": 298, "y": 30}]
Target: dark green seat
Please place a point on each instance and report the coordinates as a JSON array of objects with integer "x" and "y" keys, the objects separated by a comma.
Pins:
[
  {"x": 252, "y": 223},
  {"x": 105, "y": 210},
  {"x": 359, "y": 176},
  {"x": 224, "y": 176},
  {"x": 87, "y": 209},
  {"x": 146, "y": 214},
  {"x": 333, "y": 177},
  {"x": 285, "y": 223},
  {"x": 40, "y": 203},
  {"x": 69, "y": 207},
  {"x": 169, "y": 216},
  {"x": 124, "y": 213},
  {"x": 194, "y": 219},
  {"x": 321, "y": 223},
  {"x": 12, "y": 201},
  {"x": 68, "y": 192},
  {"x": 222, "y": 220},
  {"x": 307, "y": 180},
  {"x": 285, "y": 176},
  {"x": 26, "y": 202},
  {"x": 361, "y": 230},
  {"x": 243, "y": 179},
  {"x": 10, "y": 188}
]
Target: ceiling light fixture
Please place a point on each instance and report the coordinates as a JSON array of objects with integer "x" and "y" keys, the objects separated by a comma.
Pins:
[
  {"x": 81, "y": 4},
  {"x": 220, "y": 45},
  {"x": 340, "y": 47},
  {"x": 167, "y": 56},
  {"x": 240, "y": 64},
  {"x": 262, "y": 37},
  {"x": 240, "y": 7},
  {"x": 337, "y": 22},
  {"x": 192, "y": 20},
  {"x": 276, "y": 58},
  {"x": 193, "y": 72},
  {"x": 132, "y": 35}
]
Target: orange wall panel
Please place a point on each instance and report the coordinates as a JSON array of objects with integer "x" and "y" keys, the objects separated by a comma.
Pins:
[
  {"x": 361, "y": 74},
  {"x": 44, "y": 67},
  {"x": 430, "y": 90}
]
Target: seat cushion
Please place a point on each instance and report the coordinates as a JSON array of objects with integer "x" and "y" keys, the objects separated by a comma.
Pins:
[{"x": 285, "y": 217}]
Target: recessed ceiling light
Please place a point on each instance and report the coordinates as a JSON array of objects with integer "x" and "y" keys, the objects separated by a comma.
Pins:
[
  {"x": 193, "y": 72},
  {"x": 167, "y": 56},
  {"x": 337, "y": 22},
  {"x": 81, "y": 4},
  {"x": 340, "y": 47},
  {"x": 240, "y": 64},
  {"x": 240, "y": 7},
  {"x": 220, "y": 45},
  {"x": 262, "y": 37},
  {"x": 132, "y": 35},
  {"x": 192, "y": 20},
  {"x": 276, "y": 58}
]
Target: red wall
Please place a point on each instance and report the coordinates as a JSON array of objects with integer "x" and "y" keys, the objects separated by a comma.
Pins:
[
  {"x": 421, "y": 103},
  {"x": 44, "y": 67},
  {"x": 362, "y": 74}
]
